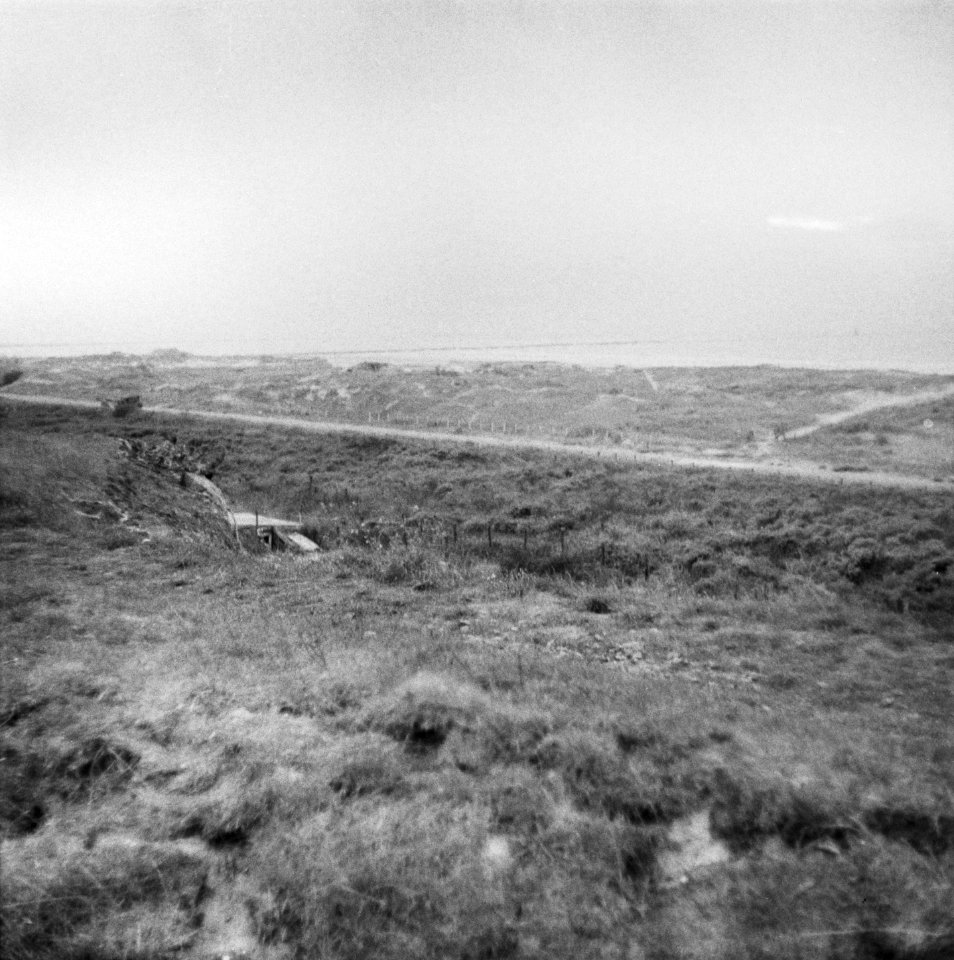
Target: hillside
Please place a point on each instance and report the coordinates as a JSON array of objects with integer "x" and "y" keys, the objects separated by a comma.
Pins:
[
  {"x": 520, "y": 705},
  {"x": 730, "y": 412}
]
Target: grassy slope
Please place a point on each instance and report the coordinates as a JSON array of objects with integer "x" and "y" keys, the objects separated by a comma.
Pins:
[
  {"x": 896, "y": 440},
  {"x": 739, "y": 534},
  {"x": 425, "y": 750},
  {"x": 719, "y": 410}
]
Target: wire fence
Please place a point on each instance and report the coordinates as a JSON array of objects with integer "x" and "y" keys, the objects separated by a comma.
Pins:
[
  {"x": 552, "y": 547},
  {"x": 502, "y": 426}
]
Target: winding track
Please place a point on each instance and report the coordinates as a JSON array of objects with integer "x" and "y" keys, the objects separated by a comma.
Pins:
[
  {"x": 799, "y": 470},
  {"x": 869, "y": 406}
]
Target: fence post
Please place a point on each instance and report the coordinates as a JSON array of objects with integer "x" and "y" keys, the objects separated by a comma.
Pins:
[
  {"x": 563, "y": 541},
  {"x": 490, "y": 535}
]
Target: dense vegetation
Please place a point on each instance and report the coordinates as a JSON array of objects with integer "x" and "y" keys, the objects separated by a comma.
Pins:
[
  {"x": 648, "y": 713},
  {"x": 590, "y": 520}
]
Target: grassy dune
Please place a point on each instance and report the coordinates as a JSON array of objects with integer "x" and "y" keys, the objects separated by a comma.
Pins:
[
  {"x": 916, "y": 440},
  {"x": 737, "y": 411},
  {"x": 653, "y": 714}
]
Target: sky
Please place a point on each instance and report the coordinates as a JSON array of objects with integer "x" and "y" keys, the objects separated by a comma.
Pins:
[{"x": 753, "y": 181}]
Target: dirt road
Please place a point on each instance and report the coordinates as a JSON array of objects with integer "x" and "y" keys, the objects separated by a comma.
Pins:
[
  {"x": 870, "y": 405},
  {"x": 798, "y": 470}
]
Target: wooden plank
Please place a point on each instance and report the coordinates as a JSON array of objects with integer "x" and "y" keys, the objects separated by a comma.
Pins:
[
  {"x": 297, "y": 541},
  {"x": 302, "y": 542},
  {"x": 243, "y": 521}
]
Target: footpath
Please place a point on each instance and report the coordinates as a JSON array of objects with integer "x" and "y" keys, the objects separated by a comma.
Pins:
[{"x": 802, "y": 470}]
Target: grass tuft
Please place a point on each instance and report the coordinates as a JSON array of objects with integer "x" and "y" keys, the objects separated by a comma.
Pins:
[
  {"x": 409, "y": 880},
  {"x": 121, "y": 898},
  {"x": 30, "y": 779},
  {"x": 367, "y": 768},
  {"x": 519, "y": 802},
  {"x": 599, "y": 777},
  {"x": 424, "y": 710},
  {"x": 94, "y": 758},
  {"x": 22, "y": 796}
]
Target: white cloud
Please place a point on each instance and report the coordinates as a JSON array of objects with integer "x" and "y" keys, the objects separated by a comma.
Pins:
[{"x": 806, "y": 223}]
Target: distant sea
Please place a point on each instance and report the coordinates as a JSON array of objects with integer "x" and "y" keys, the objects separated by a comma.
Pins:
[
  {"x": 926, "y": 349},
  {"x": 925, "y": 352}
]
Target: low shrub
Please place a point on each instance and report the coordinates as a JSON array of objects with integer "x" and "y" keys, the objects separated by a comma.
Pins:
[
  {"x": 744, "y": 813},
  {"x": 929, "y": 831},
  {"x": 597, "y": 605}
]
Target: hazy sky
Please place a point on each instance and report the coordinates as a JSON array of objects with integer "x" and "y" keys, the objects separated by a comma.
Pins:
[{"x": 266, "y": 176}]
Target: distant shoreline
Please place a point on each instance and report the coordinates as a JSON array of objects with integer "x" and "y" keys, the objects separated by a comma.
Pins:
[
  {"x": 606, "y": 360},
  {"x": 587, "y": 357}
]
